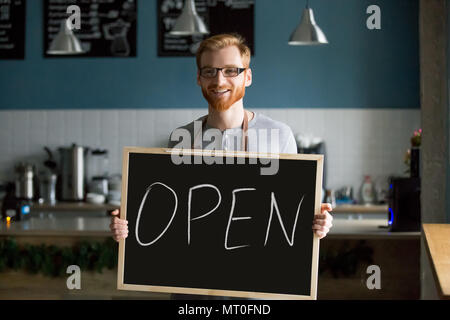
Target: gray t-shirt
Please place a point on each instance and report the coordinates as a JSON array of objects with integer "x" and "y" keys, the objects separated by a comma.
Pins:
[{"x": 264, "y": 135}]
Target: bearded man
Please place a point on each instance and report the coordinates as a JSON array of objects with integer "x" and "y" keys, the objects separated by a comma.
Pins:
[
  {"x": 223, "y": 74},
  {"x": 223, "y": 64}
]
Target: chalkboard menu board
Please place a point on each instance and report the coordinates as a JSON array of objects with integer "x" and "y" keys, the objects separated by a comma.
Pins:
[
  {"x": 108, "y": 27},
  {"x": 220, "y": 16},
  {"x": 12, "y": 29},
  {"x": 214, "y": 228}
]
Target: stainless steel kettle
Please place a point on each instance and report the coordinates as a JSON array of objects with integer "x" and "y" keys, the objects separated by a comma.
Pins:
[
  {"x": 73, "y": 162},
  {"x": 25, "y": 181}
]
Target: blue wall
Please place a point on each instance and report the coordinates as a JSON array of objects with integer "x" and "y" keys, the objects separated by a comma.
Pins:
[{"x": 360, "y": 68}]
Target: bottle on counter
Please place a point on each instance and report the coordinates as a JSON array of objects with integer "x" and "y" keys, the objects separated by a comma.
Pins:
[
  {"x": 368, "y": 191},
  {"x": 330, "y": 198}
]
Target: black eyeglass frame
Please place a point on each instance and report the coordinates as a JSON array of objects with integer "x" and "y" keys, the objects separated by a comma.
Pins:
[{"x": 240, "y": 70}]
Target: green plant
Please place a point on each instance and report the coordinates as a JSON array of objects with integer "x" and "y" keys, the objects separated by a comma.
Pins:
[
  {"x": 346, "y": 260},
  {"x": 53, "y": 260},
  {"x": 416, "y": 139}
]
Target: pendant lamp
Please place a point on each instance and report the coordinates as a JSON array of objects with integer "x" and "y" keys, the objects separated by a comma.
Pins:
[
  {"x": 189, "y": 23},
  {"x": 307, "y": 32},
  {"x": 65, "y": 42}
]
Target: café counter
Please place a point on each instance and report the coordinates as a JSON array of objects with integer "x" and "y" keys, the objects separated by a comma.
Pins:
[
  {"x": 351, "y": 246},
  {"x": 99, "y": 227}
]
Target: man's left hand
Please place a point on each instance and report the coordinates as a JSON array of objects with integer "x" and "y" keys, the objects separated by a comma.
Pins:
[{"x": 322, "y": 222}]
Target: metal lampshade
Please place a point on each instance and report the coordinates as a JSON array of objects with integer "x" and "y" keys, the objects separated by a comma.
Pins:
[
  {"x": 189, "y": 22},
  {"x": 307, "y": 32},
  {"x": 65, "y": 42}
]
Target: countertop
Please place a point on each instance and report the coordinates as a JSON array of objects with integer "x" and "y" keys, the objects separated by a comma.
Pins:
[
  {"x": 73, "y": 226},
  {"x": 361, "y": 208},
  {"x": 99, "y": 227},
  {"x": 84, "y": 206},
  {"x": 437, "y": 238},
  {"x": 73, "y": 206},
  {"x": 366, "y": 229}
]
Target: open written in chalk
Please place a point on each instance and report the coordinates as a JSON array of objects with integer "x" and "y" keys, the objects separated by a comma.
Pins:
[{"x": 217, "y": 228}]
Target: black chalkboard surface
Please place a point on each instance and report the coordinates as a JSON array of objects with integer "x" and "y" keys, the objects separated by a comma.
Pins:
[
  {"x": 220, "y": 229},
  {"x": 12, "y": 29},
  {"x": 108, "y": 27},
  {"x": 220, "y": 16}
]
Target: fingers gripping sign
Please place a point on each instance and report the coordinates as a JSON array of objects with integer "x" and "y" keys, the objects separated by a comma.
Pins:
[
  {"x": 322, "y": 222},
  {"x": 118, "y": 227}
]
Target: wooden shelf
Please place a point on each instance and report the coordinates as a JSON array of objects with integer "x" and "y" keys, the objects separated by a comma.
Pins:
[
  {"x": 84, "y": 206},
  {"x": 58, "y": 227},
  {"x": 360, "y": 208},
  {"x": 99, "y": 227},
  {"x": 366, "y": 229},
  {"x": 73, "y": 206}
]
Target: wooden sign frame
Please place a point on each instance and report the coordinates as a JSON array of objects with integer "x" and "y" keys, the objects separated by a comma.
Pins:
[{"x": 229, "y": 293}]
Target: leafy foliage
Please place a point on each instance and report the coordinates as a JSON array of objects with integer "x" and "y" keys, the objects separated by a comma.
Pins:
[
  {"x": 53, "y": 261},
  {"x": 346, "y": 260}
]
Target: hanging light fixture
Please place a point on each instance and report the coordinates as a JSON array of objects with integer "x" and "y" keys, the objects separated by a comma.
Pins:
[
  {"x": 307, "y": 32},
  {"x": 65, "y": 42},
  {"x": 189, "y": 22}
]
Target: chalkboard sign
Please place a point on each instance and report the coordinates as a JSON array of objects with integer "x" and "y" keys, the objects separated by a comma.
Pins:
[
  {"x": 108, "y": 27},
  {"x": 220, "y": 16},
  {"x": 12, "y": 29},
  {"x": 207, "y": 226}
]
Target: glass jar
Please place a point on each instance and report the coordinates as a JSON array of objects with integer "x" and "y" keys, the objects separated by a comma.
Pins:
[
  {"x": 99, "y": 172},
  {"x": 99, "y": 164}
]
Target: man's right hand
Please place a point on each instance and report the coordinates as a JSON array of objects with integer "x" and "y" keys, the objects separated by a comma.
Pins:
[{"x": 119, "y": 227}]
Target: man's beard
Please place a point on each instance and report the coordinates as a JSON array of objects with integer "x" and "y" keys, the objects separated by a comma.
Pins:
[{"x": 221, "y": 103}]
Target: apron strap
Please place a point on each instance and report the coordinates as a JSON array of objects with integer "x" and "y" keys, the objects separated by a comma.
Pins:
[{"x": 244, "y": 144}]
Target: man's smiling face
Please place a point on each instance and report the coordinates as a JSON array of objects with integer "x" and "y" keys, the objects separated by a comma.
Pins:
[{"x": 222, "y": 92}]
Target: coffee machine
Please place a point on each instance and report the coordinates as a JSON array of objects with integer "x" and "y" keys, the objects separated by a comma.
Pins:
[
  {"x": 404, "y": 204},
  {"x": 14, "y": 208},
  {"x": 20, "y": 194}
]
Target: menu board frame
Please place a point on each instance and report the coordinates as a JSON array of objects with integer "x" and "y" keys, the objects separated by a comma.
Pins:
[
  {"x": 114, "y": 36},
  {"x": 18, "y": 28}
]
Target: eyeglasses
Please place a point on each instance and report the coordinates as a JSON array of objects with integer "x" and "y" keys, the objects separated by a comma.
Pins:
[{"x": 227, "y": 72}]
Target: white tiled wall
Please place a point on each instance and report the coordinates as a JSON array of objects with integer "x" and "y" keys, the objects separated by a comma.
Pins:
[{"x": 358, "y": 141}]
